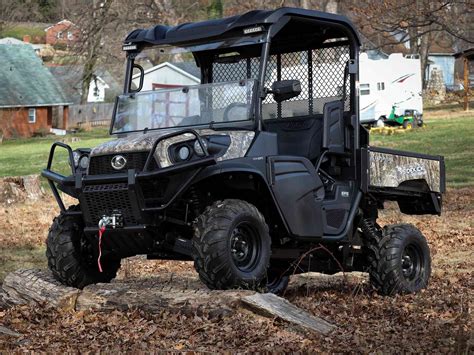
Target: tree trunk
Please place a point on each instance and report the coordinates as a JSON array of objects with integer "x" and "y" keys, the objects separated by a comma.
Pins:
[{"x": 93, "y": 43}]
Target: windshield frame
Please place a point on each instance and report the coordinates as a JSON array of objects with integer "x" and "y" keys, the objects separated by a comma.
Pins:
[
  {"x": 248, "y": 124},
  {"x": 260, "y": 92}
]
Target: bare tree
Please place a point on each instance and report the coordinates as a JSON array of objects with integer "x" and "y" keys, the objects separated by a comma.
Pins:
[{"x": 420, "y": 23}]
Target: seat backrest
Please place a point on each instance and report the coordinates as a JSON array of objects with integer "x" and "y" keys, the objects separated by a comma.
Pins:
[
  {"x": 333, "y": 135},
  {"x": 299, "y": 136}
]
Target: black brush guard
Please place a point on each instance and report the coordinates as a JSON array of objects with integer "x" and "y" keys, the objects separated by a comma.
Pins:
[{"x": 124, "y": 189}]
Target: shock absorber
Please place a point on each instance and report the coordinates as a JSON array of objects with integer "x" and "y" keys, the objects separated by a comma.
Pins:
[{"x": 370, "y": 229}]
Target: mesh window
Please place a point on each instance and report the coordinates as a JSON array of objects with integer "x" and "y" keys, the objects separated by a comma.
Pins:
[{"x": 320, "y": 71}]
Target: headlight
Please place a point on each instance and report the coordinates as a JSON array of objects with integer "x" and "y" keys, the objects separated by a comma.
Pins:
[
  {"x": 75, "y": 156},
  {"x": 184, "y": 152},
  {"x": 198, "y": 148},
  {"x": 84, "y": 162}
]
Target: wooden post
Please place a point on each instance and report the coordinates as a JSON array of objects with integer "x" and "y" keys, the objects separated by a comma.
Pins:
[
  {"x": 466, "y": 84},
  {"x": 66, "y": 117}
]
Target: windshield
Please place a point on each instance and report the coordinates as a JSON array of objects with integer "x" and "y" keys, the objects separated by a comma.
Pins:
[{"x": 197, "y": 105}]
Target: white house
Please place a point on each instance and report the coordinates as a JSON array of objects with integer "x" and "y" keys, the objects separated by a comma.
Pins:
[
  {"x": 102, "y": 87},
  {"x": 169, "y": 75}
]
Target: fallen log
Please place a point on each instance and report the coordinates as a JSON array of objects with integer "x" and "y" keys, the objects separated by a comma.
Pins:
[
  {"x": 174, "y": 292},
  {"x": 38, "y": 286},
  {"x": 271, "y": 305},
  {"x": 182, "y": 293}
]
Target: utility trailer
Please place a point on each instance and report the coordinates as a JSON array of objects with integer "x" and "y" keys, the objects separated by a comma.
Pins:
[{"x": 263, "y": 163}]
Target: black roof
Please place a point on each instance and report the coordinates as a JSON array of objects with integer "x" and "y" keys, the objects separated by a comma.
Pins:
[{"x": 193, "y": 32}]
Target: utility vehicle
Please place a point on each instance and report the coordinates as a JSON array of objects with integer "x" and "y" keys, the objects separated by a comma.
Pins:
[{"x": 261, "y": 171}]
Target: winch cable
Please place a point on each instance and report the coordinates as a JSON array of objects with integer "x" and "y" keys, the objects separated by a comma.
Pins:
[{"x": 102, "y": 225}]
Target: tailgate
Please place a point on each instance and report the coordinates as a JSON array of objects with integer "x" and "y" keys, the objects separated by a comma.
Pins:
[{"x": 394, "y": 168}]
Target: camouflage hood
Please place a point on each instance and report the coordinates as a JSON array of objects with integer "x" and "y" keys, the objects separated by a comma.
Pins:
[{"x": 141, "y": 142}]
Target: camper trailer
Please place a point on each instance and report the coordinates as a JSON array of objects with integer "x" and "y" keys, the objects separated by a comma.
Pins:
[{"x": 384, "y": 83}]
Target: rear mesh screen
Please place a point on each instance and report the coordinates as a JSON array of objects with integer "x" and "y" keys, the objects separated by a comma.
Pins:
[{"x": 320, "y": 72}]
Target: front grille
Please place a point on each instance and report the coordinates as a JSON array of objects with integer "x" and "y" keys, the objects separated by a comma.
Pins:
[
  {"x": 103, "y": 200},
  {"x": 102, "y": 164}
]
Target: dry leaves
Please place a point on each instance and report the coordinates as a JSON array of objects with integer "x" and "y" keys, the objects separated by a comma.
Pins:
[{"x": 438, "y": 319}]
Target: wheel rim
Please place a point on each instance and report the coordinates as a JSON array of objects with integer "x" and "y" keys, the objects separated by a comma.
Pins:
[
  {"x": 245, "y": 246},
  {"x": 412, "y": 262}
]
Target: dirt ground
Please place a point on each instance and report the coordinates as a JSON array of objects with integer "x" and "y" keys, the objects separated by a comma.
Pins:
[{"x": 439, "y": 319}]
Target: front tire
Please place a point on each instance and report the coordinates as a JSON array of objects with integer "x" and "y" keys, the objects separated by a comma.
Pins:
[
  {"x": 232, "y": 246},
  {"x": 407, "y": 124},
  {"x": 399, "y": 261},
  {"x": 66, "y": 259}
]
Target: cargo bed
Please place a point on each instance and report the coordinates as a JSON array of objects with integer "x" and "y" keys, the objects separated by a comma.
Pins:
[{"x": 415, "y": 180}]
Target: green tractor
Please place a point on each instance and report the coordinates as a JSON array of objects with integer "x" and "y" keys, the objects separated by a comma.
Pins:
[{"x": 409, "y": 120}]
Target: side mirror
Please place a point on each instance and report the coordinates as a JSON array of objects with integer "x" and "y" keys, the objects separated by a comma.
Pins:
[{"x": 285, "y": 89}]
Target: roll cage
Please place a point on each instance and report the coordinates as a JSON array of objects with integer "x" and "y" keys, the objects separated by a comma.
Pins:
[{"x": 269, "y": 46}]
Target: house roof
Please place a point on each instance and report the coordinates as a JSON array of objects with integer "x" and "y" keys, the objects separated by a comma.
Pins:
[
  {"x": 60, "y": 22},
  {"x": 24, "y": 81},
  {"x": 70, "y": 79},
  {"x": 11, "y": 40},
  {"x": 206, "y": 30},
  {"x": 14, "y": 41},
  {"x": 188, "y": 69}
]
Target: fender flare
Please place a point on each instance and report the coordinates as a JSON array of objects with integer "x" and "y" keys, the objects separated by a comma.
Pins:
[{"x": 232, "y": 166}]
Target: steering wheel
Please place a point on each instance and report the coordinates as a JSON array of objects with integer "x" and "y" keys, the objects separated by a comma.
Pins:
[{"x": 236, "y": 111}]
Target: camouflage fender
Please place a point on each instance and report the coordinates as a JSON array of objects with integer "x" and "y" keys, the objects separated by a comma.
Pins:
[{"x": 390, "y": 170}]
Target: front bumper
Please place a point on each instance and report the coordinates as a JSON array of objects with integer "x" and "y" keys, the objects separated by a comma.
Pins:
[{"x": 133, "y": 194}]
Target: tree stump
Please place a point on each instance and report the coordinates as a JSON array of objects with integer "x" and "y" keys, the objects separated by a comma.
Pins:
[{"x": 19, "y": 188}]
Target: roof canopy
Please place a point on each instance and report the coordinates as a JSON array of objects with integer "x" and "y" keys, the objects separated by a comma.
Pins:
[{"x": 333, "y": 26}]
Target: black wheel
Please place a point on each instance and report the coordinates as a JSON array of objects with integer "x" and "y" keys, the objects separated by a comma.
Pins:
[
  {"x": 66, "y": 257},
  {"x": 407, "y": 124},
  {"x": 232, "y": 246},
  {"x": 277, "y": 281},
  {"x": 399, "y": 261}
]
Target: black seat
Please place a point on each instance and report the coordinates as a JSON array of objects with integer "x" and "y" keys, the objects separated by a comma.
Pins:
[{"x": 299, "y": 136}]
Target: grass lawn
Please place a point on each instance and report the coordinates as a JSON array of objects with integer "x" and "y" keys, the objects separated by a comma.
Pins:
[
  {"x": 447, "y": 133},
  {"x": 27, "y": 257},
  {"x": 18, "y": 31},
  {"x": 30, "y": 156},
  {"x": 450, "y": 135}
]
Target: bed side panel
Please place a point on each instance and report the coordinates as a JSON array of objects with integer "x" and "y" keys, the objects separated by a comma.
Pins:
[{"x": 390, "y": 170}]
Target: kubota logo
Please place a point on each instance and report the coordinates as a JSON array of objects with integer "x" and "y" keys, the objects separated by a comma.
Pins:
[{"x": 118, "y": 162}]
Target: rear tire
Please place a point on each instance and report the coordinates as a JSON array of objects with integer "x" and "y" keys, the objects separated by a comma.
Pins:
[
  {"x": 232, "y": 246},
  {"x": 66, "y": 259},
  {"x": 399, "y": 261}
]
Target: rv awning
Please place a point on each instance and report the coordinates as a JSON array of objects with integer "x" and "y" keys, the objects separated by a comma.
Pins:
[{"x": 212, "y": 29}]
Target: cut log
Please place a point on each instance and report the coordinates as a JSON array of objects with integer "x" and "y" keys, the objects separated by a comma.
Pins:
[
  {"x": 271, "y": 305},
  {"x": 38, "y": 286},
  {"x": 182, "y": 293}
]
